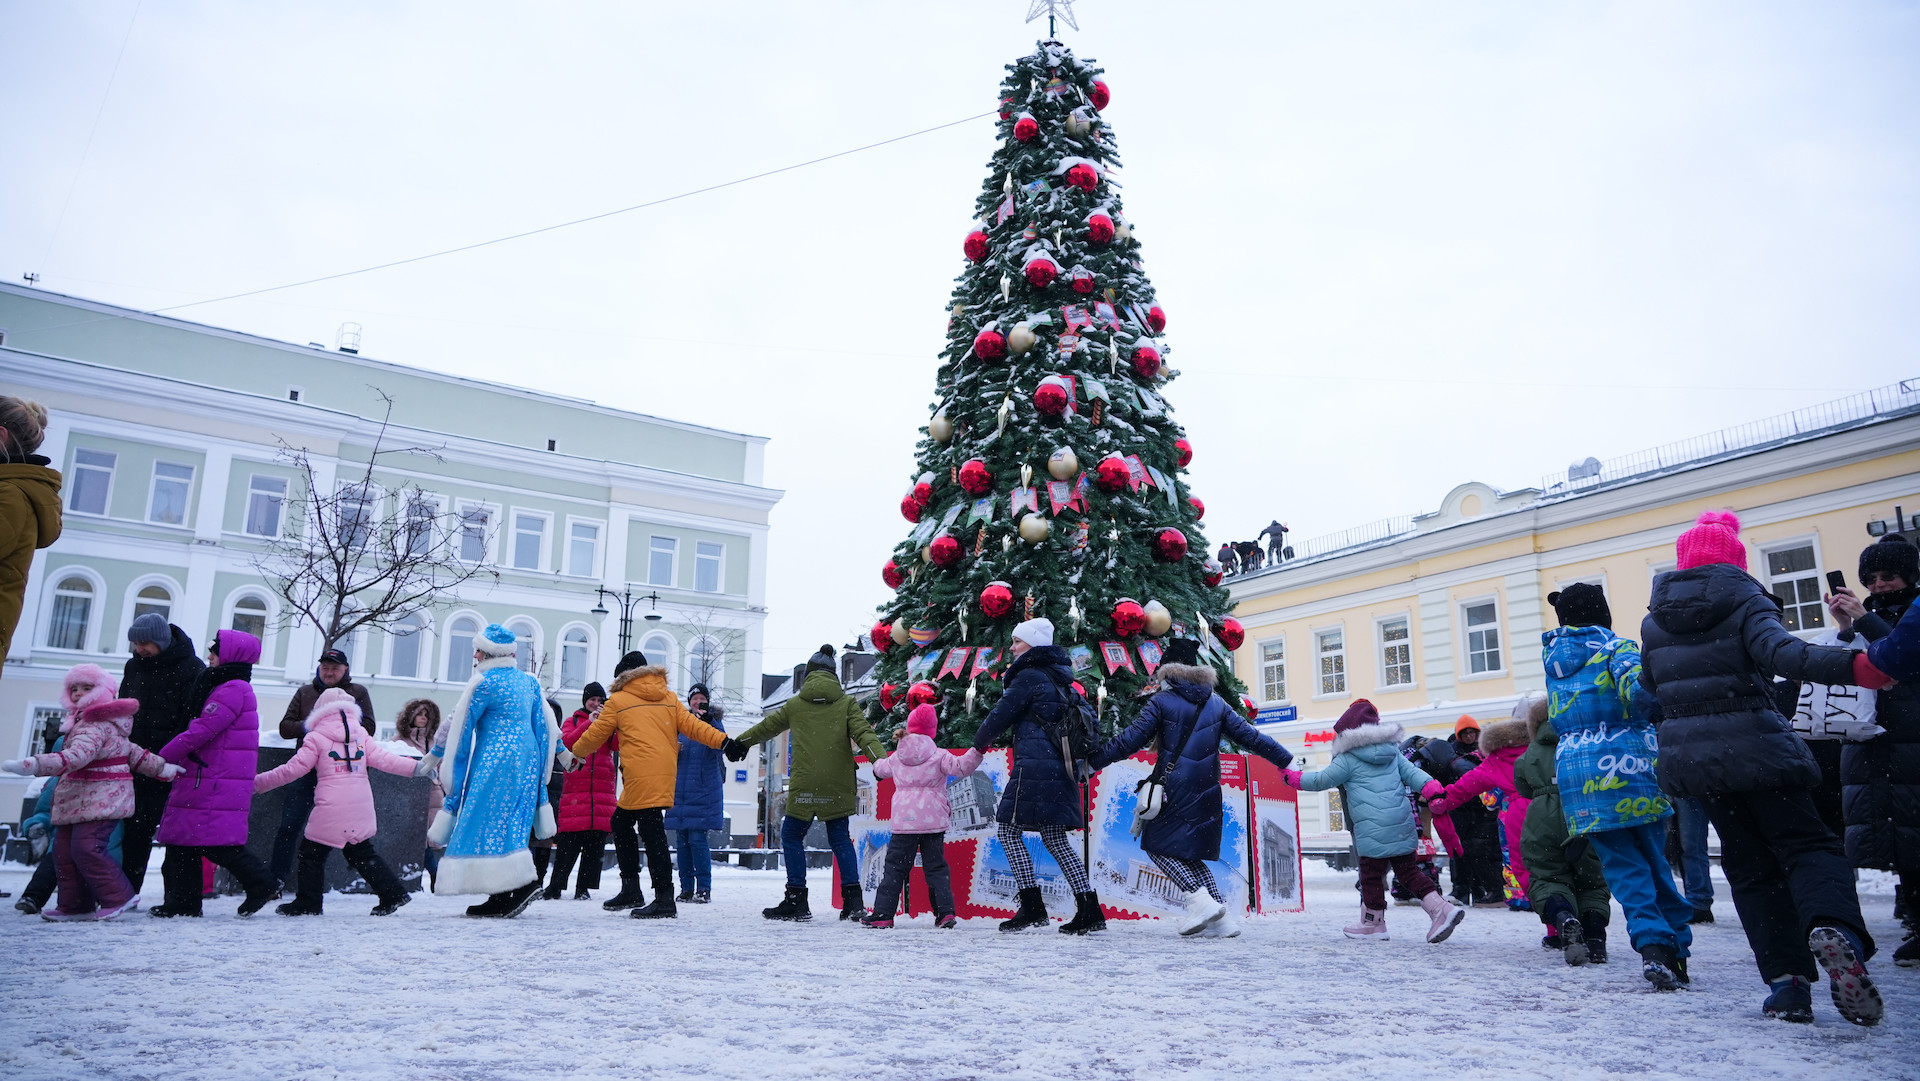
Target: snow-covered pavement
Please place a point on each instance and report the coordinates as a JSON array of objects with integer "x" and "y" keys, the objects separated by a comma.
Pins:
[{"x": 568, "y": 991}]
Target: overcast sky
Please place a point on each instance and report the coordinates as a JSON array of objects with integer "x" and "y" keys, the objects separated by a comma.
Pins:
[{"x": 1401, "y": 245}]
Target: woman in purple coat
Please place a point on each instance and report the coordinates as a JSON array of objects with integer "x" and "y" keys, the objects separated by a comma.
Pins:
[{"x": 207, "y": 809}]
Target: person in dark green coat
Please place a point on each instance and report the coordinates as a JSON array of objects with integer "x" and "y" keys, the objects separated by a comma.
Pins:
[
  {"x": 825, "y": 723},
  {"x": 1558, "y": 885}
]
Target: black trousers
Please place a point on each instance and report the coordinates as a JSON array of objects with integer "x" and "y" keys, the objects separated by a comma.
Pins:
[
  {"x": 180, "y": 873},
  {"x": 294, "y": 812},
  {"x": 136, "y": 839},
  {"x": 651, "y": 826},
  {"x": 932, "y": 850},
  {"x": 1476, "y": 872},
  {"x": 585, "y": 846},
  {"x": 1826, "y": 795},
  {"x": 1788, "y": 873},
  {"x": 312, "y": 882}
]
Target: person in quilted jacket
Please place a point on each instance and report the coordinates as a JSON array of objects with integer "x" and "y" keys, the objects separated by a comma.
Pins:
[
  {"x": 920, "y": 773},
  {"x": 587, "y": 801}
]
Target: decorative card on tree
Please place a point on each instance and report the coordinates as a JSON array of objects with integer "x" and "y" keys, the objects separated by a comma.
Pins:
[
  {"x": 1136, "y": 472},
  {"x": 922, "y": 664},
  {"x": 1116, "y": 656},
  {"x": 1082, "y": 658},
  {"x": 1059, "y": 495},
  {"x": 982, "y": 510},
  {"x": 956, "y": 665},
  {"x": 983, "y": 659},
  {"x": 1149, "y": 655},
  {"x": 1024, "y": 499}
]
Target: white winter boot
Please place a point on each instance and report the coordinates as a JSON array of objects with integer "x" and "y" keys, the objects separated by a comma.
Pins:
[
  {"x": 1202, "y": 912},
  {"x": 1446, "y": 915},
  {"x": 1371, "y": 928},
  {"x": 1227, "y": 926}
]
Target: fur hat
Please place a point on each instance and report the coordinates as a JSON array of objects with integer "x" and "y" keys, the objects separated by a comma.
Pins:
[
  {"x": 1582, "y": 604},
  {"x": 1465, "y": 722},
  {"x": 104, "y": 685},
  {"x": 1361, "y": 712},
  {"x": 923, "y": 721},
  {"x": 1500, "y": 735},
  {"x": 333, "y": 701},
  {"x": 591, "y": 691},
  {"x": 822, "y": 661},
  {"x": 1892, "y": 554},
  {"x": 151, "y": 627},
  {"x": 1035, "y": 632},
  {"x": 1181, "y": 651},
  {"x": 1715, "y": 538},
  {"x": 495, "y": 641}
]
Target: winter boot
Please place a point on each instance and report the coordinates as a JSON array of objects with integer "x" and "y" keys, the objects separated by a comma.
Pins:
[
  {"x": 662, "y": 908},
  {"x": 853, "y": 906},
  {"x": 1702, "y": 914},
  {"x": 1032, "y": 913},
  {"x": 1908, "y": 955},
  {"x": 515, "y": 901},
  {"x": 1593, "y": 926},
  {"x": 169, "y": 912},
  {"x": 1837, "y": 951},
  {"x": 1371, "y": 928},
  {"x": 947, "y": 922},
  {"x": 1202, "y": 912},
  {"x": 685, "y": 896},
  {"x": 791, "y": 907},
  {"x": 1445, "y": 915},
  {"x": 26, "y": 906},
  {"x": 1791, "y": 999},
  {"x": 628, "y": 897},
  {"x": 1227, "y": 926},
  {"x": 301, "y": 905},
  {"x": 55, "y": 915},
  {"x": 1660, "y": 966},
  {"x": 877, "y": 923},
  {"x": 115, "y": 911},
  {"x": 552, "y": 892},
  {"x": 1552, "y": 940},
  {"x": 388, "y": 906},
  {"x": 581, "y": 894},
  {"x": 1086, "y": 915},
  {"x": 702, "y": 897},
  {"x": 257, "y": 900},
  {"x": 1573, "y": 939}
]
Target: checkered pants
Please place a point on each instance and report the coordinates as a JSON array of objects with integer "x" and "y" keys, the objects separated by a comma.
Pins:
[
  {"x": 1190, "y": 875},
  {"x": 1014, "y": 841}
]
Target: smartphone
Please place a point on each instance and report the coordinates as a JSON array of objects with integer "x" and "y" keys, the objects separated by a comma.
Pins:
[{"x": 1836, "y": 581}]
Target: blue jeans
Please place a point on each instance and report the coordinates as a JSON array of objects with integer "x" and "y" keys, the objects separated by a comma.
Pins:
[
  {"x": 793, "y": 838},
  {"x": 1695, "y": 869},
  {"x": 1635, "y": 863},
  {"x": 695, "y": 859}
]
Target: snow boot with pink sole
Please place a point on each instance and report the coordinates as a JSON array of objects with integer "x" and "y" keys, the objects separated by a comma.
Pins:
[
  {"x": 1839, "y": 952},
  {"x": 1371, "y": 928},
  {"x": 1445, "y": 916}
]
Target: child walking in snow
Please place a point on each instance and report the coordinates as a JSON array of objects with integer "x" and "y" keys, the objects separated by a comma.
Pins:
[
  {"x": 1562, "y": 886},
  {"x": 1368, "y": 767},
  {"x": 337, "y": 750},
  {"x": 97, "y": 762},
  {"x": 920, "y": 773},
  {"x": 1503, "y": 742}
]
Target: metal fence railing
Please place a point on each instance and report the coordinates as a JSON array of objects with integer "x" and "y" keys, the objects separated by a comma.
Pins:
[{"x": 1359, "y": 536}]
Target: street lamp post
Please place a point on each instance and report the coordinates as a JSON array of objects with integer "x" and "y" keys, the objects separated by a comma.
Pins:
[{"x": 628, "y": 600}]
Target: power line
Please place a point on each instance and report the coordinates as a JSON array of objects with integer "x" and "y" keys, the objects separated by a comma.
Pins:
[{"x": 87, "y": 150}]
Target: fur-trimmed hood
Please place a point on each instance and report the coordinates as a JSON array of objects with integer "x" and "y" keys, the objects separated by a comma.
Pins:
[
  {"x": 1499, "y": 735},
  {"x": 647, "y": 683},
  {"x": 332, "y": 702},
  {"x": 1369, "y": 735},
  {"x": 100, "y": 707},
  {"x": 1200, "y": 674}
]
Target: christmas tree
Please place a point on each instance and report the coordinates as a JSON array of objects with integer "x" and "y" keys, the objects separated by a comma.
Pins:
[{"x": 1048, "y": 479}]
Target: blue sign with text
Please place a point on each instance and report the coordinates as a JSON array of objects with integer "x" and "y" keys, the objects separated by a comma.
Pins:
[
  {"x": 740, "y": 775},
  {"x": 1277, "y": 715}
]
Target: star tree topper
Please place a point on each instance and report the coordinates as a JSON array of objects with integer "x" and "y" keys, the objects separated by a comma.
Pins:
[{"x": 1052, "y": 9}]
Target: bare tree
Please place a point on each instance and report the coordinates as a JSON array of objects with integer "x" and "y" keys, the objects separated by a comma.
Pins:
[
  {"x": 364, "y": 557},
  {"x": 712, "y": 647}
]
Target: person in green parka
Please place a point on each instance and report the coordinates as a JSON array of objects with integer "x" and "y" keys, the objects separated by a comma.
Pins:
[
  {"x": 1560, "y": 883},
  {"x": 825, "y": 723}
]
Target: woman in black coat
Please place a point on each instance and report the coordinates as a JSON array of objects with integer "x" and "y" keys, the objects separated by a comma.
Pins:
[
  {"x": 1189, "y": 720},
  {"x": 1711, "y": 645},
  {"x": 1043, "y": 795}
]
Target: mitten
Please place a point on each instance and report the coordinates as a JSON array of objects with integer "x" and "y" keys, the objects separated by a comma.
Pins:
[
  {"x": 1866, "y": 675},
  {"x": 1292, "y": 776},
  {"x": 1433, "y": 791},
  {"x": 441, "y": 829},
  {"x": 19, "y": 766},
  {"x": 566, "y": 759},
  {"x": 735, "y": 750},
  {"x": 426, "y": 766},
  {"x": 169, "y": 771}
]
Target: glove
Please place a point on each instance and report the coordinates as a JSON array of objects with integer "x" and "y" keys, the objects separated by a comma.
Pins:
[
  {"x": 22, "y": 767},
  {"x": 1083, "y": 771},
  {"x": 1292, "y": 776},
  {"x": 1866, "y": 675},
  {"x": 1433, "y": 791},
  {"x": 169, "y": 771},
  {"x": 735, "y": 750},
  {"x": 426, "y": 766},
  {"x": 441, "y": 829}
]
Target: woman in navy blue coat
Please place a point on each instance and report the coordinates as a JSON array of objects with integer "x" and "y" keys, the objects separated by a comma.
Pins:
[{"x": 699, "y": 801}]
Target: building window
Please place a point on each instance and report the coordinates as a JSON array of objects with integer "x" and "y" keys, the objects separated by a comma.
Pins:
[
  {"x": 1332, "y": 649},
  {"x": 1396, "y": 654},
  {"x": 154, "y": 599},
  {"x": 1482, "y": 619},
  {"x": 703, "y": 662},
  {"x": 422, "y": 511},
  {"x": 529, "y": 534},
  {"x": 72, "y": 609},
  {"x": 354, "y": 515},
  {"x": 1792, "y": 578},
  {"x": 524, "y": 644},
  {"x": 408, "y": 635},
  {"x": 474, "y": 522},
  {"x": 266, "y": 498},
  {"x": 583, "y": 548},
  {"x": 573, "y": 659},
  {"x": 660, "y": 559},
  {"x": 460, "y": 635},
  {"x": 45, "y": 730},
  {"x": 91, "y": 481},
  {"x": 1273, "y": 670},
  {"x": 706, "y": 566},
  {"x": 658, "y": 647},
  {"x": 250, "y": 616},
  {"x": 167, "y": 503}
]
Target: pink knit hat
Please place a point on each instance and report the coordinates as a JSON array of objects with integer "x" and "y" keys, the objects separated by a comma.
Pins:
[
  {"x": 922, "y": 721},
  {"x": 1715, "y": 538}
]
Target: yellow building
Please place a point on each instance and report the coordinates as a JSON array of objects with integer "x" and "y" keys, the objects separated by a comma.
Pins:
[{"x": 1438, "y": 615}]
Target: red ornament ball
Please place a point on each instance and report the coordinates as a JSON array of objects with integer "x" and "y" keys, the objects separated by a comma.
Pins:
[
  {"x": 990, "y": 345},
  {"x": 1099, "y": 229},
  {"x": 1006, "y": 108},
  {"x": 1083, "y": 177},
  {"x": 1199, "y": 508},
  {"x": 893, "y": 575},
  {"x": 1146, "y": 362},
  {"x": 1253, "y": 711},
  {"x": 1050, "y": 399},
  {"x": 911, "y": 508},
  {"x": 1230, "y": 632},
  {"x": 1157, "y": 318},
  {"x": 996, "y": 600},
  {"x": 889, "y": 696},
  {"x": 881, "y": 636},
  {"x": 1026, "y": 129},
  {"x": 1112, "y": 474},
  {"x": 1185, "y": 451},
  {"x": 1128, "y": 618},
  {"x": 975, "y": 478},
  {"x": 1101, "y": 95},
  {"x": 976, "y": 246},
  {"x": 922, "y": 493},
  {"x": 944, "y": 551},
  {"x": 1212, "y": 572},
  {"x": 922, "y": 694},
  {"x": 1170, "y": 546},
  {"x": 1041, "y": 272},
  {"x": 1083, "y": 282}
]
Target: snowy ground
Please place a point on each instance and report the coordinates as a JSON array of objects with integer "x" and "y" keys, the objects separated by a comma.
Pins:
[{"x": 568, "y": 991}]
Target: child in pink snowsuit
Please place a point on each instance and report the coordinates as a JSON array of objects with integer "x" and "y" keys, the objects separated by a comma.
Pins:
[
  {"x": 1503, "y": 742},
  {"x": 95, "y": 766},
  {"x": 920, "y": 773}
]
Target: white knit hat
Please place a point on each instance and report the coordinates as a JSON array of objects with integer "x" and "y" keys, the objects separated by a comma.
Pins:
[{"x": 1035, "y": 632}]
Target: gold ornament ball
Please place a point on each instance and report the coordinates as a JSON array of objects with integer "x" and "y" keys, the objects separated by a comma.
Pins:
[
  {"x": 1122, "y": 231},
  {"x": 1159, "y": 620},
  {"x": 1063, "y": 464},
  {"x": 1077, "y": 123},
  {"x": 1021, "y": 338},
  {"x": 940, "y": 428},
  {"x": 1034, "y": 529},
  {"x": 899, "y": 633}
]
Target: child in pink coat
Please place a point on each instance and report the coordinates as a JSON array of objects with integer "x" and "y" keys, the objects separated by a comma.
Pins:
[
  {"x": 1503, "y": 742},
  {"x": 337, "y": 748},
  {"x": 920, "y": 773},
  {"x": 96, "y": 766}
]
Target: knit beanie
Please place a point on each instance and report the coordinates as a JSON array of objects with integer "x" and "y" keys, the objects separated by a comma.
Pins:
[
  {"x": 152, "y": 627},
  {"x": 1582, "y": 604},
  {"x": 1893, "y": 554},
  {"x": 1360, "y": 713},
  {"x": 1715, "y": 538},
  {"x": 1181, "y": 651},
  {"x": 1465, "y": 722},
  {"x": 822, "y": 661},
  {"x": 701, "y": 690},
  {"x": 1035, "y": 632},
  {"x": 592, "y": 691},
  {"x": 922, "y": 721},
  {"x": 628, "y": 663}
]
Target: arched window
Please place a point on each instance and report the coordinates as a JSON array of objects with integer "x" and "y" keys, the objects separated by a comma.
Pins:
[
  {"x": 155, "y": 599},
  {"x": 72, "y": 611},
  {"x": 574, "y": 650},
  {"x": 659, "y": 649},
  {"x": 703, "y": 661},
  {"x": 525, "y": 644},
  {"x": 250, "y": 616},
  {"x": 460, "y": 635},
  {"x": 408, "y": 635}
]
